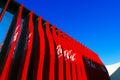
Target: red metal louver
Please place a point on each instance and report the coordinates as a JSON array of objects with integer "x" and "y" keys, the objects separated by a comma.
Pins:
[
  {"x": 74, "y": 61},
  {"x": 72, "y": 54},
  {"x": 49, "y": 64},
  {"x": 42, "y": 50},
  {"x": 4, "y": 10},
  {"x": 59, "y": 56},
  {"x": 28, "y": 47},
  {"x": 34, "y": 49},
  {"x": 13, "y": 44},
  {"x": 65, "y": 54},
  {"x": 21, "y": 51}
]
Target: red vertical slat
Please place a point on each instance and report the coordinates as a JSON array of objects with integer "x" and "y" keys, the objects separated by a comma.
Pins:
[
  {"x": 6, "y": 68},
  {"x": 42, "y": 49},
  {"x": 72, "y": 54},
  {"x": 79, "y": 67},
  {"x": 29, "y": 46},
  {"x": 81, "y": 51},
  {"x": 59, "y": 54},
  {"x": 51, "y": 52},
  {"x": 79, "y": 71},
  {"x": 65, "y": 52},
  {"x": 78, "y": 49},
  {"x": 79, "y": 61},
  {"x": 4, "y": 9},
  {"x": 82, "y": 66}
]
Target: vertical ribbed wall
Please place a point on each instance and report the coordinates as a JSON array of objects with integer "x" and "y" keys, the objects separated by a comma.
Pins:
[{"x": 35, "y": 50}]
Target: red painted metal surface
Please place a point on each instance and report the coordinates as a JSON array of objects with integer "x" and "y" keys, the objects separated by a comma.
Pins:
[
  {"x": 71, "y": 57},
  {"x": 55, "y": 55},
  {"x": 29, "y": 46},
  {"x": 13, "y": 44},
  {"x": 59, "y": 53},
  {"x": 65, "y": 54},
  {"x": 42, "y": 50},
  {"x": 74, "y": 49},
  {"x": 50, "y": 54},
  {"x": 4, "y": 10}
]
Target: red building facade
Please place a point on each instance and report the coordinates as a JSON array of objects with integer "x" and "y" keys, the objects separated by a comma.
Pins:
[{"x": 33, "y": 49}]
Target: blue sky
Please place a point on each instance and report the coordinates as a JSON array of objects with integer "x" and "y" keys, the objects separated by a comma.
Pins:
[{"x": 95, "y": 23}]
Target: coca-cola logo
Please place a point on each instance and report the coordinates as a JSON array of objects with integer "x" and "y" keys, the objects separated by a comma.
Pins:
[
  {"x": 29, "y": 35},
  {"x": 68, "y": 54},
  {"x": 16, "y": 33}
]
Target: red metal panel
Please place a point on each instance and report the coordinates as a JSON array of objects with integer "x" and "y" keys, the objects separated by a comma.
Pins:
[
  {"x": 65, "y": 53},
  {"x": 79, "y": 62},
  {"x": 59, "y": 56},
  {"x": 51, "y": 53},
  {"x": 4, "y": 10},
  {"x": 8, "y": 38},
  {"x": 29, "y": 46},
  {"x": 71, "y": 57},
  {"x": 78, "y": 67},
  {"x": 42, "y": 49},
  {"x": 8, "y": 61},
  {"x": 82, "y": 66},
  {"x": 59, "y": 52}
]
